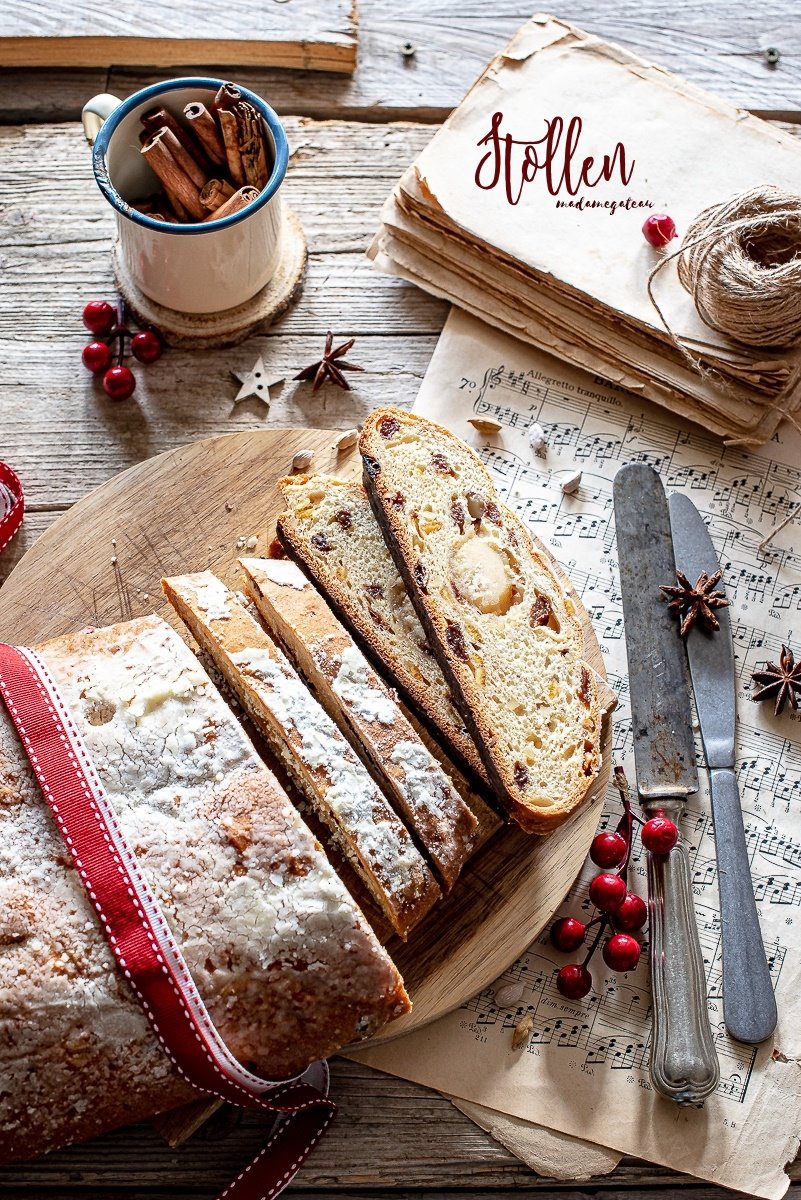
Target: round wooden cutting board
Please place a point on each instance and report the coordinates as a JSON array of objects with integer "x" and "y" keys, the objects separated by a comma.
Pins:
[{"x": 194, "y": 509}]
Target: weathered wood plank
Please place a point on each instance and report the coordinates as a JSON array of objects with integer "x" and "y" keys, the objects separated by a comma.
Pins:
[
  {"x": 316, "y": 35},
  {"x": 389, "y": 1135},
  {"x": 718, "y": 46}
]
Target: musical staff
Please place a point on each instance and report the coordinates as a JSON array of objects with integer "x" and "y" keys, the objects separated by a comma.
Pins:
[{"x": 743, "y": 496}]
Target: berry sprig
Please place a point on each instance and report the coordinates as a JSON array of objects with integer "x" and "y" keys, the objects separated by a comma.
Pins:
[
  {"x": 621, "y": 913},
  {"x": 112, "y": 336}
]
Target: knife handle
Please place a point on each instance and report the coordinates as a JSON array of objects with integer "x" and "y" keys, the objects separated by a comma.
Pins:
[
  {"x": 684, "y": 1065},
  {"x": 749, "y": 1005}
]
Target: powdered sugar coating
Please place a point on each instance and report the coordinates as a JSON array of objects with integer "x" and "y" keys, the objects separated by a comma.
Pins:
[
  {"x": 353, "y": 684},
  {"x": 350, "y": 791},
  {"x": 428, "y": 785},
  {"x": 281, "y": 571}
]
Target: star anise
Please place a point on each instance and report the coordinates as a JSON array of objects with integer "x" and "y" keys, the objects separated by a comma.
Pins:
[
  {"x": 330, "y": 366},
  {"x": 781, "y": 679},
  {"x": 697, "y": 603}
]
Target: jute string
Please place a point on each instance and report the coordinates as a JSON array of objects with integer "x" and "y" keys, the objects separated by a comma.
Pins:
[{"x": 740, "y": 261}]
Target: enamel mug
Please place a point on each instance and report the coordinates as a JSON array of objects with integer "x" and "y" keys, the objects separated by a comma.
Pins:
[{"x": 197, "y": 268}]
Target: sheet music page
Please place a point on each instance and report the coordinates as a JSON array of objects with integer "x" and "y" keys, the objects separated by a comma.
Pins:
[{"x": 585, "y": 1070}]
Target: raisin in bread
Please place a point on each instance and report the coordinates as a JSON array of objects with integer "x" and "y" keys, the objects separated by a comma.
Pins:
[
  {"x": 329, "y": 528},
  {"x": 285, "y": 962},
  {"x": 505, "y": 633},
  {"x": 317, "y": 757},
  {"x": 367, "y": 712}
]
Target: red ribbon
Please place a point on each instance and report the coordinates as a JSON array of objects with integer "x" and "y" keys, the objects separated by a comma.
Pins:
[
  {"x": 141, "y": 940},
  {"x": 12, "y": 504}
]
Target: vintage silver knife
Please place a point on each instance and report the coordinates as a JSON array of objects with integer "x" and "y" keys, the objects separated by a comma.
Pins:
[
  {"x": 749, "y": 1005},
  {"x": 684, "y": 1065}
]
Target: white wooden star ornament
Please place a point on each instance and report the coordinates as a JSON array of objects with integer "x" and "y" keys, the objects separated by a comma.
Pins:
[{"x": 256, "y": 382}]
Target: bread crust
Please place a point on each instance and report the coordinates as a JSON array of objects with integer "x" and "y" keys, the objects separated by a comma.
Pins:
[
  {"x": 495, "y": 614},
  {"x": 391, "y": 647},
  {"x": 224, "y": 851},
  {"x": 333, "y": 779},
  {"x": 366, "y": 711}
]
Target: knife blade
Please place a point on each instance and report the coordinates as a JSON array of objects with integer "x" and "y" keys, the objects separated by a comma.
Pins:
[
  {"x": 684, "y": 1065},
  {"x": 749, "y": 1004}
]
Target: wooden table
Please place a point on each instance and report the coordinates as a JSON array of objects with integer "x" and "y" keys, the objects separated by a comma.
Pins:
[{"x": 350, "y": 140}]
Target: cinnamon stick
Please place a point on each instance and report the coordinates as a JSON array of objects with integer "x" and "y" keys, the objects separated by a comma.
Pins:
[
  {"x": 161, "y": 118},
  {"x": 174, "y": 206},
  {"x": 252, "y": 149},
  {"x": 177, "y": 183},
  {"x": 230, "y": 131},
  {"x": 226, "y": 97},
  {"x": 215, "y": 193},
  {"x": 239, "y": 200},
  {"x": 184, "y": 158},
  {"x": 206, "y": 130}
]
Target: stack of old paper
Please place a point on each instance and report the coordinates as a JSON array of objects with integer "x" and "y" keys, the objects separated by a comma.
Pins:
[{"x": 527, "y": 206}]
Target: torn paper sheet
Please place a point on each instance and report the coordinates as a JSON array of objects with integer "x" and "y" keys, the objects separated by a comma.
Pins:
[
  {"x": 551, "y": 1154},
  {"x": 585, "y": 1069}
]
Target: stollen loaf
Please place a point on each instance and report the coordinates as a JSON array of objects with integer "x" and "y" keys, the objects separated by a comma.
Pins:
[
  {"x": 285, "y": 962},
  {"x": 498, "y": 619}
]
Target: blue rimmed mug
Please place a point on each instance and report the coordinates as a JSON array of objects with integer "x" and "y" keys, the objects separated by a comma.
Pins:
[{"x": 197, "y": 268}]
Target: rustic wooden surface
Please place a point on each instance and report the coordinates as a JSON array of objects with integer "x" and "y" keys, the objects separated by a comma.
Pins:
[
  {"x": 65, "y": 438},
  {"x": 317, "y": 35}
]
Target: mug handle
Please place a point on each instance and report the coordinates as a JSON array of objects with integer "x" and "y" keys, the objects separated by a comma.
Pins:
[{"x": 94, "y": 113}]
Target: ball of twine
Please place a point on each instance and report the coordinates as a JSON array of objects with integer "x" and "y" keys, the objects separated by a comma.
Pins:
[{"x": 741, "y": 263}]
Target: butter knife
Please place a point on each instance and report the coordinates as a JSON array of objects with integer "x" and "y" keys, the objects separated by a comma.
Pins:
[
  {"x": 749, "y": 1005},
  {"x": 684, "y": 1065}
]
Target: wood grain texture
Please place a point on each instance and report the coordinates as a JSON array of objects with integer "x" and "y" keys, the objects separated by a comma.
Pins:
[
  {"x": 187, "y": 510},
  {"x": 316, "y": 35},
  {"x": 391, "y": 1139},
  {"x": 717, "y": 46}
]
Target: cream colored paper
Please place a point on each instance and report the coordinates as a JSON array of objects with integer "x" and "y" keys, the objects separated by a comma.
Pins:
[
  {"x": 688, "y": 150},
  {"x": 682, "y": 151},
  {"x": 585, "y": 1071}
]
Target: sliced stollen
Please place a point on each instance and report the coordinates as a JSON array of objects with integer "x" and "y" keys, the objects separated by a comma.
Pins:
[
  {"x": 332, "y": 778},
  {"x": 329, "y": 528},
  {"x": 506, "y": 636},
  {"x": 364, "y": 708},
  {"x": 286, "y": 964}
]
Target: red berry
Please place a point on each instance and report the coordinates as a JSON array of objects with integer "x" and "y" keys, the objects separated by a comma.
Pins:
[
  {"x": 607, "y": 891},
  {"x": 99, "y": 316},
  {"x": 621, "y": 952},
  {"x": 119, "y": 383},
  {"x": 608, "y": 849},
  {"x": 659, "y": 835},
  {"x": 96, "y": 356},
  {"x": 659, "y": 229},
  {"x": 146, "y": 346},
  {"x": 574, "y": 981},
  {"x": 568, "y": 934},
  {"x": 632, "y": 913}
]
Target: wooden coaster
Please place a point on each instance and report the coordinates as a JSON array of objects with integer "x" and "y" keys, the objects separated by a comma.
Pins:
[{"x": 199, "y": 331}]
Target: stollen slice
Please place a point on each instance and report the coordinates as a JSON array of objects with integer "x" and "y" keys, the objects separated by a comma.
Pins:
[
  {"x": 505, "y": 634},
  {"x": 329, "y": 528},
  {"x": 332, "y": 778},
  {"x": 284, "y": 960},
  {"x": 366, "y": 711}
]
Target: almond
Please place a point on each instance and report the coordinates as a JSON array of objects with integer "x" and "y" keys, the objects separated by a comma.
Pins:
[
  {"x": 483, "y": 577},
  {"x": 485, "y": 425}
]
